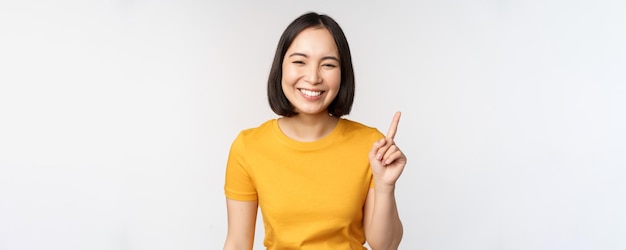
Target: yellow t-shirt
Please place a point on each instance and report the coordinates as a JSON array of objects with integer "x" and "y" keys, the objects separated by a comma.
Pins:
[{"x": 311, "y": 194}]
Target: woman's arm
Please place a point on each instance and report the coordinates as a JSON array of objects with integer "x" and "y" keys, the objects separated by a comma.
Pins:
[
  {"x": 382, "y": 225},
  {"x": 241, "y": 224},
  {"x": 381, "y": 222}
]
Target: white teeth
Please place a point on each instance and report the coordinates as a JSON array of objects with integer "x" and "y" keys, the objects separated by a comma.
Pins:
[{"x": 310, "y": 93}]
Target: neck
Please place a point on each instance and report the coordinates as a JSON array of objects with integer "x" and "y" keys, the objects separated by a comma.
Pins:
[{"x": 307, "y": 128}]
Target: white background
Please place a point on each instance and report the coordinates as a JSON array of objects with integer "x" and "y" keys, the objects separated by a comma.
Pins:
[{"x": 116, "y": 117}]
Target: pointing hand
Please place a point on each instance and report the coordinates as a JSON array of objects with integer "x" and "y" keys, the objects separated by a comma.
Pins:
[{"x": 386, "y": 159}]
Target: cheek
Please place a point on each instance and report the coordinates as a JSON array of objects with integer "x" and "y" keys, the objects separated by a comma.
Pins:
[
  {"x": 334, "y": 78},
  {"x": 289, "y": 74}
]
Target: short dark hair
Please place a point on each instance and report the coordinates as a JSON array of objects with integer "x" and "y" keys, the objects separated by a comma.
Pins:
[{"x": 342, "y": 104}]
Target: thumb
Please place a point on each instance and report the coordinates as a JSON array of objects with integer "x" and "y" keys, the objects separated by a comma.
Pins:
[{"x": 375, "y": 147}]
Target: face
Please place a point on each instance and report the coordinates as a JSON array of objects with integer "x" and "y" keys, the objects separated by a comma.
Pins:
[{"x": 311, "y": 71}]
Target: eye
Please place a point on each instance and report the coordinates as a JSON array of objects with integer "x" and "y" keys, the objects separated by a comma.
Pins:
[
  {"x": 298, "y": 62},
  {"x": 328, "y": 65}
]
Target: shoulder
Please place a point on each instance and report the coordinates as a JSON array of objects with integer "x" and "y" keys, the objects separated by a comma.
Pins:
[
  {"x": 263, "y": 128},
  {"x": 360, "y": 129},
  {"x": 255, "y": 134}
]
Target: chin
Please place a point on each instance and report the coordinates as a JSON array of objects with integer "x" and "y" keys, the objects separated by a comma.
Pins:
[{"x": 312, "y": 112}]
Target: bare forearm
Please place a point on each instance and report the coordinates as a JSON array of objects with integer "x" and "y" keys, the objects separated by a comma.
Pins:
[
  {"x": 230, "y": 245},
  {"x": 385, "y": 228},
  {"x": 241, "y": 224}
]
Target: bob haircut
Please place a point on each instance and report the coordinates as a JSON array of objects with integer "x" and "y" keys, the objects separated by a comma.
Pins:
[{"x": 342, "y": 104}]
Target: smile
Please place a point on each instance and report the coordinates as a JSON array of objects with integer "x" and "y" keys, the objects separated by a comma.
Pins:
[{"x": 310, "y": 92}]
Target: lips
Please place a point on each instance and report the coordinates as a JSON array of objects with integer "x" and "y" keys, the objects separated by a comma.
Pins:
[{"x": 310, "y": 93}]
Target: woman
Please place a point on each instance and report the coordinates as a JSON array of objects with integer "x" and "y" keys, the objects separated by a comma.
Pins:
[{"x": 322, "y": 182}]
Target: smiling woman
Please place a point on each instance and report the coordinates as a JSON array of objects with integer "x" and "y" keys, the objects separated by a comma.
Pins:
[
  {"x": 311, "y": 72},
  {"x": 321, "y": 181}
]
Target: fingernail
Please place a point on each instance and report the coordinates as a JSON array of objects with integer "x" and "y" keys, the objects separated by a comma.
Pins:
[
  {"x": 378, "y": 157},
  {"x": 387, "y": 162}
]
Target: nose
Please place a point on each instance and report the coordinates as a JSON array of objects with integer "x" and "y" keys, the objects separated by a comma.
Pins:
[{"x": 313, "y": 75}]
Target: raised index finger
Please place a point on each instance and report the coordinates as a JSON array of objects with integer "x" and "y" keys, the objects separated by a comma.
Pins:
[{"x": 391, "y": 133}]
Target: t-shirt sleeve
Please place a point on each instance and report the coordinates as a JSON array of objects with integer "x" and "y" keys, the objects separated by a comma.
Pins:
[
  {"x": 239, "y": 184},
  {"x": 376, "y": 135}
]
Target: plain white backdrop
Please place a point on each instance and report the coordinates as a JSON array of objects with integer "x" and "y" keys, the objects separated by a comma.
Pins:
[{"x": 116, "y": 117}]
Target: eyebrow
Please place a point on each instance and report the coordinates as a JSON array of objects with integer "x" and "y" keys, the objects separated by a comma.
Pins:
[{"x": 323, "y": 58}]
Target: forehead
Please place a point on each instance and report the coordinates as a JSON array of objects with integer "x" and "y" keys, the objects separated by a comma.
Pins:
[{"x": 314, "y": 40}]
